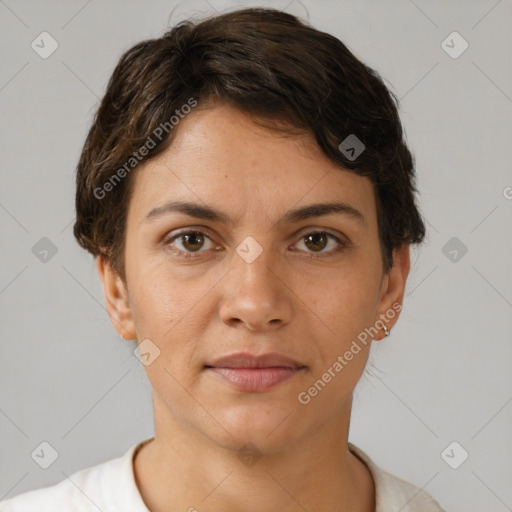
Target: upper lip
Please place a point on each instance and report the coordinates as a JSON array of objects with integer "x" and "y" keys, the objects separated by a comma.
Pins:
[{"x": 244, "y": 360}]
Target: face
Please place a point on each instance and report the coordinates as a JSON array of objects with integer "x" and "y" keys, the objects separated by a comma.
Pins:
[{"x": 250, "y": 295}]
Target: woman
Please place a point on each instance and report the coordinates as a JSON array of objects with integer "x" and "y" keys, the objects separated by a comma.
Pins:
[{"x": 249, "y": 198}]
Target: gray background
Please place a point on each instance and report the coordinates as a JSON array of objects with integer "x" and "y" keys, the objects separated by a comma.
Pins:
[{"x": 444, "y": 374}]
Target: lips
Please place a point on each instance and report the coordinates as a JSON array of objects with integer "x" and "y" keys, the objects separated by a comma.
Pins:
[
  {"x": 249, "y": 361},
  {"x": 254, "y": 373}
]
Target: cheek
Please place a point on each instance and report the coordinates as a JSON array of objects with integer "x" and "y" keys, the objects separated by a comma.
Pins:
[
  {"x": 348, "y": 298},
  {"x": 347, "y": 310},
  {"x": 345, "y": 307},
  {"x": 169, "y": 307},
  {"x": 153, "y": 297}
]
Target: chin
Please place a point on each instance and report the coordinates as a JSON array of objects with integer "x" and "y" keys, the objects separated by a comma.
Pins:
[{"x": 268, "y": 427}]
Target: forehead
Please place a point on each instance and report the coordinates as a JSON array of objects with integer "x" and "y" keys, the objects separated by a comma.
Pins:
[{"x": 219, "y": 156}]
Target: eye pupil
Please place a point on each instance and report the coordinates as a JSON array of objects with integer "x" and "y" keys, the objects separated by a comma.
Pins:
[
  {"x": 314, "y": 237},
  {"x": 190, "y": 241}
]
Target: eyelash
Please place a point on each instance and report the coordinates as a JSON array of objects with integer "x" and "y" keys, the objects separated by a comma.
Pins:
[{"x": 189, "y": 255}]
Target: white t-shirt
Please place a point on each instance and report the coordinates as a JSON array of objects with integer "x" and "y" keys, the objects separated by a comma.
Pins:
[{"x": 110, "y": 487}]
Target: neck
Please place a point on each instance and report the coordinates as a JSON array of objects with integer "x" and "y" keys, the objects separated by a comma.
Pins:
[{"x": 181, "y": 469}]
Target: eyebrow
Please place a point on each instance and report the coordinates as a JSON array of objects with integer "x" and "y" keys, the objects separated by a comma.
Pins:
[{"x": 297, "y": 214}]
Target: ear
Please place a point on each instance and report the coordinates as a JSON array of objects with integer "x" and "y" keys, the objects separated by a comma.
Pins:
[
  {"x": 116, "y": 300},
  {"x": 393, "y": 288}
]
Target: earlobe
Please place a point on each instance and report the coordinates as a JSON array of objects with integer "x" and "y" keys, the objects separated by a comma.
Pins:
[
  {"x": 116, "y": 299},
  {"x": 393, "y": 290}
]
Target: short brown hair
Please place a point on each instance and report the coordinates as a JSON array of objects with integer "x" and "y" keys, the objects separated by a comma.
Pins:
[{"x": 269, "y": 64}]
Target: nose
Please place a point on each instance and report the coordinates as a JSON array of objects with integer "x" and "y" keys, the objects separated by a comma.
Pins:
[{"x": 255, "y": 295}]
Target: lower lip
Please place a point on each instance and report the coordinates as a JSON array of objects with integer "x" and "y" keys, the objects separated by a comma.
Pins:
[{"x": 255, "y": 379}]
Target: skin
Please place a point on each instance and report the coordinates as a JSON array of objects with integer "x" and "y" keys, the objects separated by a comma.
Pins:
[{"x": 215, "y": 304}]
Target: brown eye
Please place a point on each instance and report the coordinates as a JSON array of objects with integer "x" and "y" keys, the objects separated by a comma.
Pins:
[
  {"x": 321, "y": 243},
  {"x": 187, "y": 243},
  {"x": 316, "y": 241},
  {"x": 193, "y": 241}
]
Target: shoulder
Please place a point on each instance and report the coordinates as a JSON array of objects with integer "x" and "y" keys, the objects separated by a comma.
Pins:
[
  {"x": 106, "y": 486},
  {"x": 77, "y": 493},
  {"x": 393, "y": 493},
  {"x": 83, "y": 491}
]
